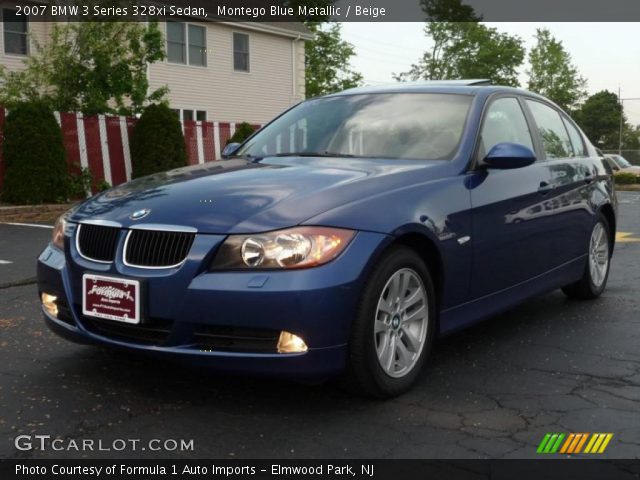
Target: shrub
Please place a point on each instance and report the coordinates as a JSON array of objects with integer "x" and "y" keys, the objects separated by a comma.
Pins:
[
  {"x": 82, "y": 182},
  {"x": 243, "y": 131},
  {"x": 626, "y": 178},
  {"x": 157, "y": 143},
  {"x": 34, "y": 155}
]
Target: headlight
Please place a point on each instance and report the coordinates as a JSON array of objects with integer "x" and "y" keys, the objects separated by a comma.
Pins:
[
  {"x": 57, "y": 237},
  {"x": 299, "y": 247}
]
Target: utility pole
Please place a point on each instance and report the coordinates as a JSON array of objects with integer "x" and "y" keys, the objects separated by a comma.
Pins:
[
  {"x": 621, "y": 100},
  {"x": 621, "y": 118}
]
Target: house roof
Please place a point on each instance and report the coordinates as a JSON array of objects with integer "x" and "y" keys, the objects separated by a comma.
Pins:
[{"x": 290, "y": 29}]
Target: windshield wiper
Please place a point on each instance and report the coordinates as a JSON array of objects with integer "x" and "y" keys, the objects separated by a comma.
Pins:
[
  {"x": 257, "y": 158},
  {"x": 248, "y": 156},
  {"x": 312, "y": 154}
]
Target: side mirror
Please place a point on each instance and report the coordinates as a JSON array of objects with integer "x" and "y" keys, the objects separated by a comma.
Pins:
[
  {"x": 230, "y": 149},
  {"x": 509, "y": 155}
]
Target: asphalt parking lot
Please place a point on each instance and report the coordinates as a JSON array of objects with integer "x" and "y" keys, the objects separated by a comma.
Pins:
[{"x": 550, "y": 365}]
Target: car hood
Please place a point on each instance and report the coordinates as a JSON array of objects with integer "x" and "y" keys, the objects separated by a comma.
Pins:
[{"x": 237, "y": 196}]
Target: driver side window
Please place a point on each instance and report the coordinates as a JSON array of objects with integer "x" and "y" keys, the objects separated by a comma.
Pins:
[{"x": 504, "y": 122}]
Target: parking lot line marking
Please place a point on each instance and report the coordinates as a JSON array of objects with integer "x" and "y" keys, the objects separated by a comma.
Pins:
[
  {"x": 626, "y": 237},
  {"x": 5, "y": 262},
  {"x": 37, "y": 225}
]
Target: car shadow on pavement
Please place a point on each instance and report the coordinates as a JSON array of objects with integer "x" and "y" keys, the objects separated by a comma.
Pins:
[{"x": 480, "y": 347}]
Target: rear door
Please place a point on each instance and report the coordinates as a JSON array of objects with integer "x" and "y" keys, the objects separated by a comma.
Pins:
[
  {"x": 571, "y": 181},
  {"x": 511, "y": 241}
]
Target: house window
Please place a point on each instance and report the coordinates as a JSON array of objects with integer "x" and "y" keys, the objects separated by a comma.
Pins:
[
  {"x": 15, "y": 32},
  {"x": 241, "y": 52},
  {"x": 176, "y": 42},
  {"x": 197, "y": 46},
  {"x": 198, "y": 115},
  {"x": 186, "y": 44}
]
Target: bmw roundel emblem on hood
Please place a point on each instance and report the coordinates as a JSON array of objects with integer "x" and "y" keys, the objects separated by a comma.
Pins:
[{"x": 138, "y": 214}]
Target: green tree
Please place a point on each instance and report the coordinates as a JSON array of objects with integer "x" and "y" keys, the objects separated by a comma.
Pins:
[
  {"x": 448, "y": 11},
  {"x": 89, "y": 66},
  {"x": 34, "y": 155},
  {"x": 327, "y": 56},
  {"x": 468, "y": 49},
  {"x": 552, "y": 74},
  {"x": 599, "y": 118},
  {"x": 157, "y": 142},
  {"x": 243, "y": 131}
]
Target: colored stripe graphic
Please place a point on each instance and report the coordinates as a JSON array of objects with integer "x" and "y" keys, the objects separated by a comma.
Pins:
[
  {"x": 581, "y": 442},
  {"x": 550, "y": 443},
  {"x": 577, "y": 439},
  {"x": 598, "y": 443},
  {"x": 607, "y": 439},
  {"x": 567, "y": 443},
  {"x": 574, "y": 442},
  {"x": 543, "y": 443}
]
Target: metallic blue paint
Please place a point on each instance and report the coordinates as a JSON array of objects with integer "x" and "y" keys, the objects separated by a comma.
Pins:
[
  {"x": 509, "y": 155},
  {"x": 528, "y": 230}
]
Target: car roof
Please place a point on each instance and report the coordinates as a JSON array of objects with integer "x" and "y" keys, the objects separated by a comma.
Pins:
[{"x": 465, "y": 87}]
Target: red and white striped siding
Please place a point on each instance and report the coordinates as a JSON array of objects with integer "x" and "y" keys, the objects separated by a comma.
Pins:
[{"x": 100, "y": 143}]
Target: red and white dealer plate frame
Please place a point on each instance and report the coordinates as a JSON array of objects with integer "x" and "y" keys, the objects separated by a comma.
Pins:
[{"x": 111, "y": 298}]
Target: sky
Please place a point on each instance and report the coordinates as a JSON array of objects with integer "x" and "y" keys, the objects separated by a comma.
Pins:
[{"x": 606, "y": 54}]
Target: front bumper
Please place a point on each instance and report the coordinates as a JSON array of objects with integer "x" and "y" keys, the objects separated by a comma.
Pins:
[{"x": 179, "y": 304}]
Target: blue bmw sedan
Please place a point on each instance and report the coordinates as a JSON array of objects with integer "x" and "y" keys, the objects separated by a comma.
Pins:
[{"x": 341, "y": 239}]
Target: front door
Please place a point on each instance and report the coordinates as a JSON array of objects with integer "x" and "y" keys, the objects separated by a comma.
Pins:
[{"x": 510, "y": 208}]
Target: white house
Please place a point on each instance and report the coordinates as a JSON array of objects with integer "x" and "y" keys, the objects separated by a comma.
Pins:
[{"x": 218, "y": 70}]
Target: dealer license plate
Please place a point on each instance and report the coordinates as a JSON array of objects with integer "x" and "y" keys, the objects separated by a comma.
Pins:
[{"x": 111, "y": 298}]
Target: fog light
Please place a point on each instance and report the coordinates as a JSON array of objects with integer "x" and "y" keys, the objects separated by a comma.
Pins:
[
  {"x": 49, "y": 304},
  {"x": 290, "y": 343}
]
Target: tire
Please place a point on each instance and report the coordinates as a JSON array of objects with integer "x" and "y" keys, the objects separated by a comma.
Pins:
[
  {"x": 595, "y": 276},
  {"x": 379, "y": 319}
]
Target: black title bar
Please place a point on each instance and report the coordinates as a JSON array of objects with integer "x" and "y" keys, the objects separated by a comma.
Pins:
[
  {"x": 336, "y": 10},
  {"x": 321, "y": 469}
]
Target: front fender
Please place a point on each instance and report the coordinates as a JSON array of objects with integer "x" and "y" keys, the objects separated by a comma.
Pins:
[{"x": 438, "y": 210}]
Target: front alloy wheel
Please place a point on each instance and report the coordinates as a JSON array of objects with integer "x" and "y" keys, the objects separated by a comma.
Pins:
[
  {"x": 394, "y": 327},
  {"x": 401, "y": 323}
]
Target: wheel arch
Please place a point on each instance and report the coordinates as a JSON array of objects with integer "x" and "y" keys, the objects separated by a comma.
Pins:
[
  {"x": 428, "y": 251},
  {"x": 609, "y": 214}
]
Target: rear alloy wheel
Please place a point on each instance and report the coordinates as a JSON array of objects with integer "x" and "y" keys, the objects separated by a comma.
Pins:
[
  {"x": 594, "y": 279},
  {"x": 394, "y": 328}
]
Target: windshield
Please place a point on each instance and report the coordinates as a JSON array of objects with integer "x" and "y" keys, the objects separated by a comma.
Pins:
[{"x": 416, "y": 126}]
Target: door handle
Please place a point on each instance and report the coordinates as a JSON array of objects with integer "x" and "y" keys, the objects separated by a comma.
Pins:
[{"x": 545, "y": 188}]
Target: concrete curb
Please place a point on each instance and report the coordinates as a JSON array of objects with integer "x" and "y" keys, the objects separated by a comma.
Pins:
[{"x": 32, "y": 213}]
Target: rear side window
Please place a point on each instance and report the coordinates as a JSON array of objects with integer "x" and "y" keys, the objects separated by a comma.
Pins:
[
  {"x": 555, "y": 139},
  {"x": 576, "y": 139},
  {"x": 505, "y": 122}
]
